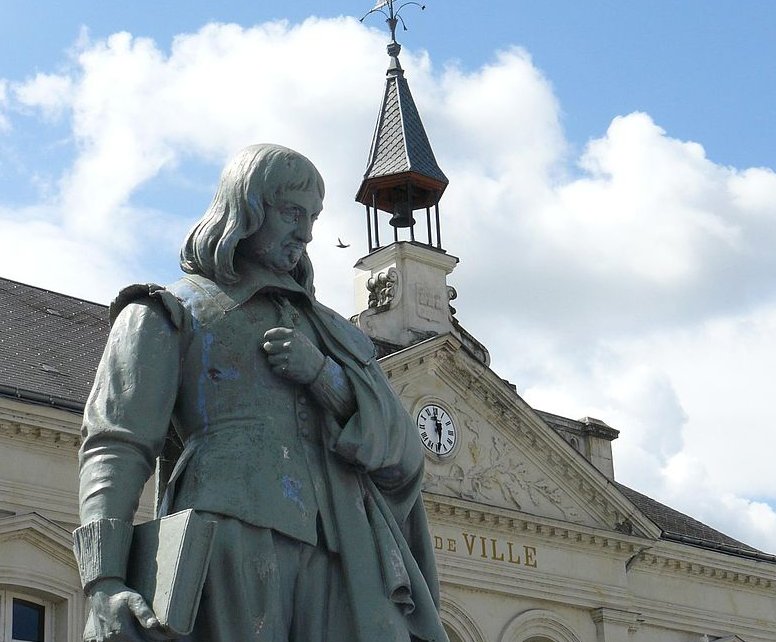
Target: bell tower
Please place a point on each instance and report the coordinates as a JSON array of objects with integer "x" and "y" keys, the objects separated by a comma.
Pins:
[{"x": 401, "y": 286}]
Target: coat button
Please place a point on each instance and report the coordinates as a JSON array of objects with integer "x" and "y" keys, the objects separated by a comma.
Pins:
[{"x": 303, "y": 415}]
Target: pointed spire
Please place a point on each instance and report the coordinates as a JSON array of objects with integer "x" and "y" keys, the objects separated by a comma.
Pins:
[{"x": 402, "y": 174}]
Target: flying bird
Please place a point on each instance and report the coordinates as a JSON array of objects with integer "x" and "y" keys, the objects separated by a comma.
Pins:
[{"x": 341, "y": 244}]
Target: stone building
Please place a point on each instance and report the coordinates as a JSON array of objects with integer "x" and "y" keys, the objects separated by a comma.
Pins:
[{"x": 535, "y": 539}]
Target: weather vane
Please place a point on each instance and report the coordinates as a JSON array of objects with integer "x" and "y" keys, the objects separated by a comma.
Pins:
[{"x": 393, "y": 16}]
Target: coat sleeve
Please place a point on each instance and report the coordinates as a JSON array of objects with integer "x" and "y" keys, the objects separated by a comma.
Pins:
[
  {"x": 380, "y": 438},
  {"x": 128, "y": 412}
]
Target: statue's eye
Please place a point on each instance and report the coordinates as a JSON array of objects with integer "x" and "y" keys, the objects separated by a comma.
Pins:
[{"x": 291, "y": 213}]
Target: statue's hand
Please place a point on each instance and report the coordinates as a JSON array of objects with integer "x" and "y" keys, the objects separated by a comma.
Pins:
[
  {"x": 120, "y": 614},
  {"x": 292, "y": 355}
]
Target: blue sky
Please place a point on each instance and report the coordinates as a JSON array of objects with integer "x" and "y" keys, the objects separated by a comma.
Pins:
[
  {"x": 704, "y": 70},
  {"x": 612, "y": 197}
]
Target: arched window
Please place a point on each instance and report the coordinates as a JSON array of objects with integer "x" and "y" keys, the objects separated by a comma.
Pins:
[
  {"x": 38, "y": 582},
  {"x": 452, "y": 635},
  {"x": 459, "y": 626},
  {"x": 538, "y": 625}
]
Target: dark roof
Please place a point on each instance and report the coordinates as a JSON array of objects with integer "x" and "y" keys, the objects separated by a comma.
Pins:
[
  {"x": 400, "y": 143},
  {"x": 681, "y": 528},
  {"x": 50, "y": 345},
  {"x": 385, "y": 348}
]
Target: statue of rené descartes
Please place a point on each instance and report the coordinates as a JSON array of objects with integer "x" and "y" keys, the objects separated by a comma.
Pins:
[{"x": 294, "y": 442}]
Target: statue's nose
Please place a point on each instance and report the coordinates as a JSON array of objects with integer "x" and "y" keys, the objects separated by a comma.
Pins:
[{"x": 304, "y": 229}]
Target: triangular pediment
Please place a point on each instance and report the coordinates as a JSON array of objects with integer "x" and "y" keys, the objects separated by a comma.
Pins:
[
  {"x": 40, "y": 533},
  {"x": 505, "y": 455}
]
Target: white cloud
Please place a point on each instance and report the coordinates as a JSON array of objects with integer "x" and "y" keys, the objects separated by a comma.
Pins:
[
  {"x": 693, "y": 406},
  {"x": 633, "y": 284},
  {"x": 691, "y": 486},
  {"x": 50, "y": 93},
  {"x": 36, "y": 251}
]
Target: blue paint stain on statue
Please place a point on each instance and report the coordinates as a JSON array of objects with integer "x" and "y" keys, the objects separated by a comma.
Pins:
[
  {"x": 292, "y": 490},
  {"x": 207, "y": 343}
]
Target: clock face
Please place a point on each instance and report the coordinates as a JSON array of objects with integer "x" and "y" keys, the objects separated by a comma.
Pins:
[{"x": 437, "y": 430}]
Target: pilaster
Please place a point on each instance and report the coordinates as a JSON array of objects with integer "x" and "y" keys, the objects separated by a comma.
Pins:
[{"x": 615, "y": 625}]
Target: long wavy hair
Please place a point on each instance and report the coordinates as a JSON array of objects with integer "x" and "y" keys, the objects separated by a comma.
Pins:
[{"x": 257, "y": 175}]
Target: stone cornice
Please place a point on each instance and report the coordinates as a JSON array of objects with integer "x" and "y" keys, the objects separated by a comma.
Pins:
[
  {"x": 637, "y": 553},
  {"x": 460, "y": 512},
  {"x": 39, "y": 425},
  {"x": 706, "y": 566},
  {"x": 408, "y": 250},
  {"x": 517, "y": 420},
  {"x": 53, "y": 540}
]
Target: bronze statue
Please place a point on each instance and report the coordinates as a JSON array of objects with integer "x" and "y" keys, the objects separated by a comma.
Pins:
[{"x": 294, "y": 442}]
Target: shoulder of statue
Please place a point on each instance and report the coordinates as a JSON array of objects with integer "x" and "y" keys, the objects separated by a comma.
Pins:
[
  {"x": 351, "y": 337},
  {"x": 205, "y": 300},
  {"x": 139, "y": 292}
]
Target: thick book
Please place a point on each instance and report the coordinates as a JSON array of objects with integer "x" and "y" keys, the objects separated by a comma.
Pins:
[{"x": 167, "y": 565}]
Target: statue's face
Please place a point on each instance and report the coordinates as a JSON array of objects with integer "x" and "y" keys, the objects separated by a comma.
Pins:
[{"x": 287, "y": 229}]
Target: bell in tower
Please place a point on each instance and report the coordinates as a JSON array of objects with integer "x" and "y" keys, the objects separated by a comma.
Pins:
[{"x": 402, "y": 212}]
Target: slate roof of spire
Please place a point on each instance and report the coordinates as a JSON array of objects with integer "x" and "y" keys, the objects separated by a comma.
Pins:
[{"x": 400, "y": 143}]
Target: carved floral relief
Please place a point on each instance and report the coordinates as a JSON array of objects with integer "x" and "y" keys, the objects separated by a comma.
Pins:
[{"x": 489, "y": 469}]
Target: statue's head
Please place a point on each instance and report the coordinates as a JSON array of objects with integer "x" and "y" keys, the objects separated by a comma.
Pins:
[{"x": 267, "y": 200}]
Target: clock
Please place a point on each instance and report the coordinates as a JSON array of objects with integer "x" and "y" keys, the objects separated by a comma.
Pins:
[{"x": 437, "y": 429}]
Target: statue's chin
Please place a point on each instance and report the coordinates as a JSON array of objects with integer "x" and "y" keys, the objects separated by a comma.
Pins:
[
  {"x": 293, "y": 256},
  {"x": 285, "y": 262}
]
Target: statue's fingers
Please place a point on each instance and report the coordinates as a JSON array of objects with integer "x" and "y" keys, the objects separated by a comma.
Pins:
[
  {"x": 278, "y": 346},
  {"x": 142, "y": 611},
  {"x": 277, "y": 358},
  {"x": 274, "y": 347},
  {"x": 278, "y": 334}
]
